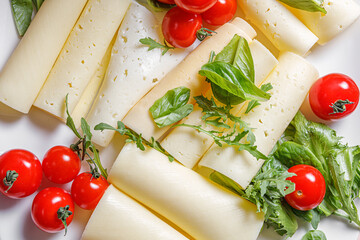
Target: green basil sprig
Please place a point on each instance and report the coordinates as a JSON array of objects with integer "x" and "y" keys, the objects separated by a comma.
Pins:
[
  {"x": 156, "y": 6},
  {"x": 232, "y": 74},
  {"x": 230, "y": 80},
  {"x": 306, "y": 5},
  {"x": 172, "y": 107},
  {"x": 314, "y": 235}
]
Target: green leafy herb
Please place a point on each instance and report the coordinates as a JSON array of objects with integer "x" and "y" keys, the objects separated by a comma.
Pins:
[
  {"x": 217, "y": 116},
  {"x": 318, "y": 145},
  {"x": 84, "y": 146},
  {"x": 135, "y": 138},
  {"x": 153, "y": 44},
  {"x": 22, "y": 10},
  {"x": 314, "y": 235},
  {"x": 172, "y": 107},
  {"x": 155, "y": 5},
  {"x": 253, "y": 103},
  {"x": 266, "y": 191},
  {"x": 38, "y": 4},
  {"x": 230, "y": 79},
  {"x": 306, "y": 5}
]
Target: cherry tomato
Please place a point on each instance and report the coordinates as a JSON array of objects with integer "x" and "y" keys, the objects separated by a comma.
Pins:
[
  {"x": 180, "y": 27},
  {"x": 20, "y": 173},
  {"x": 195, "y": 6},
  {"x": 52, "y": 210},
  {"x": 87, "y": 190},
  {"x": 61, "y": 164},
  {"x": 310, "y": 187},
  {"x": 167, "y": 1},
  {"x": 334, "y": 96},
  {"x": 222, "y": 12}
]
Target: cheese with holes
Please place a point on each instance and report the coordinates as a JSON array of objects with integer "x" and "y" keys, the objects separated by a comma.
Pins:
[
  {"x": 188, "y": 145},
  {"x": 133, "y": 70},
  {"x": 90, "y": 92},
  {"x": 117, "y": 216},
  {"x": 26, "y": 70},
  {"x": 291, "y": 81},
  {"x": 185, "y": 74},
  {"x": 340, "y": 15},
  {"x": 82, "y": 53},
  {"x": 203, "y": 209},
  {"x": 279, "y": 25}
]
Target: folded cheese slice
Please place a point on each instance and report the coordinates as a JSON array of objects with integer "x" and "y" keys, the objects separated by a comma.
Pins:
[
  {"x": 83, "y": 106},
  {"x": 82, "y": 53},
  {"x": 27, "y": 68},
  {"x": 340, "y": 15},
  {"x": 201, "y": 208},
  {"x": 118, "y": 216},
  {"x": 279, "y": 25},
  {"x": 185, "y": 74},
  {"x": 133, "y": 70},
  {"x": 188, "y": 145},
  {"x": 291, "y": 81}
]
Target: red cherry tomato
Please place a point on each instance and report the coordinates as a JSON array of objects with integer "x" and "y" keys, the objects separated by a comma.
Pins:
[
  {"x": 20, "y": 173},
  {"x": 310, "y": 187},
  {"x": 61, "y": 164},
  {"x": 222, "y": 12},
  {"x": 52, "y": 210},
  {"x": 87, "y": 190},
  {"x": 180, "y": 27},
  {"x": 334, "y": 96},
  {"x": 195, "y": 6},
  {"x": 167, "y": 1}
]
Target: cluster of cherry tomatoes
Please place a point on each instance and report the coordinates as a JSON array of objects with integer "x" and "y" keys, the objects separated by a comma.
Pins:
[
  {"x": 52, "y": 208},
  {"x": 183, "y": 24}
]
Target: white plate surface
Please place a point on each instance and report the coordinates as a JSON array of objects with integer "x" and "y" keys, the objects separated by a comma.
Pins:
[{"x": 39, "y": 131}]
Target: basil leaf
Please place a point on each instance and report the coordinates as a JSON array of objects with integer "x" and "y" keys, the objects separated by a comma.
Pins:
[
  {"x": 314, "y": 235},
  {"x": 253, "y": 103},
  {"x": 22, "y": 10},
  {"x": 172, "y": 107},
  {"x": 238, "y": 54},
  {"x": 38, "y": 4},
  {"x": 230, "y": 79},
  {"x": 306, "y": 5}
]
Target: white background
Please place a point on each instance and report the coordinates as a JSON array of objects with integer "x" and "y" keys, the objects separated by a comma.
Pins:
[{"x": 39, "y": 131}]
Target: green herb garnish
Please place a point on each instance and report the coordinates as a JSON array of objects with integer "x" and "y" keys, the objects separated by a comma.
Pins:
[
  {"x": 153, "y": 44},
  {"x": 306, "y": 5}
]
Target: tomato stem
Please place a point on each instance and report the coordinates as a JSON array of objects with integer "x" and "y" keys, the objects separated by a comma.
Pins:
[
  {"x": 10, "y": 178},
  {"x": 202, "y": 33},
  {"x": 339, "y": 106},
  {"x": 63, "y": 213}
]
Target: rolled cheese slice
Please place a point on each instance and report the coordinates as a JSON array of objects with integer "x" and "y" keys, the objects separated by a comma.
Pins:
[
  {"x": 340, "y": 15},
  {"x": 27, "y": 68},
  {"x": 90, "y": 92},
  {"x": 133, "y": 70},
  {"x": 279, "y": 25},
  {"x": 188, "y": 145},
  {"x": 118, "y": 216},
  {"x": 291, "y": 81},
  {"x": 185, "y": 74},
  {"x": 201, "y": 208},
  {"x": 81, "y": 55}
]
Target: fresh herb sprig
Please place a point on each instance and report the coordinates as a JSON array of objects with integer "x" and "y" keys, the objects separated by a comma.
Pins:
[
  {"x": 84, "y": 146},
  {"x": 135, "y": 138},
  {"x": 152, "y": 44},
  {"x": 254, "y": 103}
]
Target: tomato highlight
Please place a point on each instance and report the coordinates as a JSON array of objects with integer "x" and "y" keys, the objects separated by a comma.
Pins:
[{"x": 222, "y": 12}]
